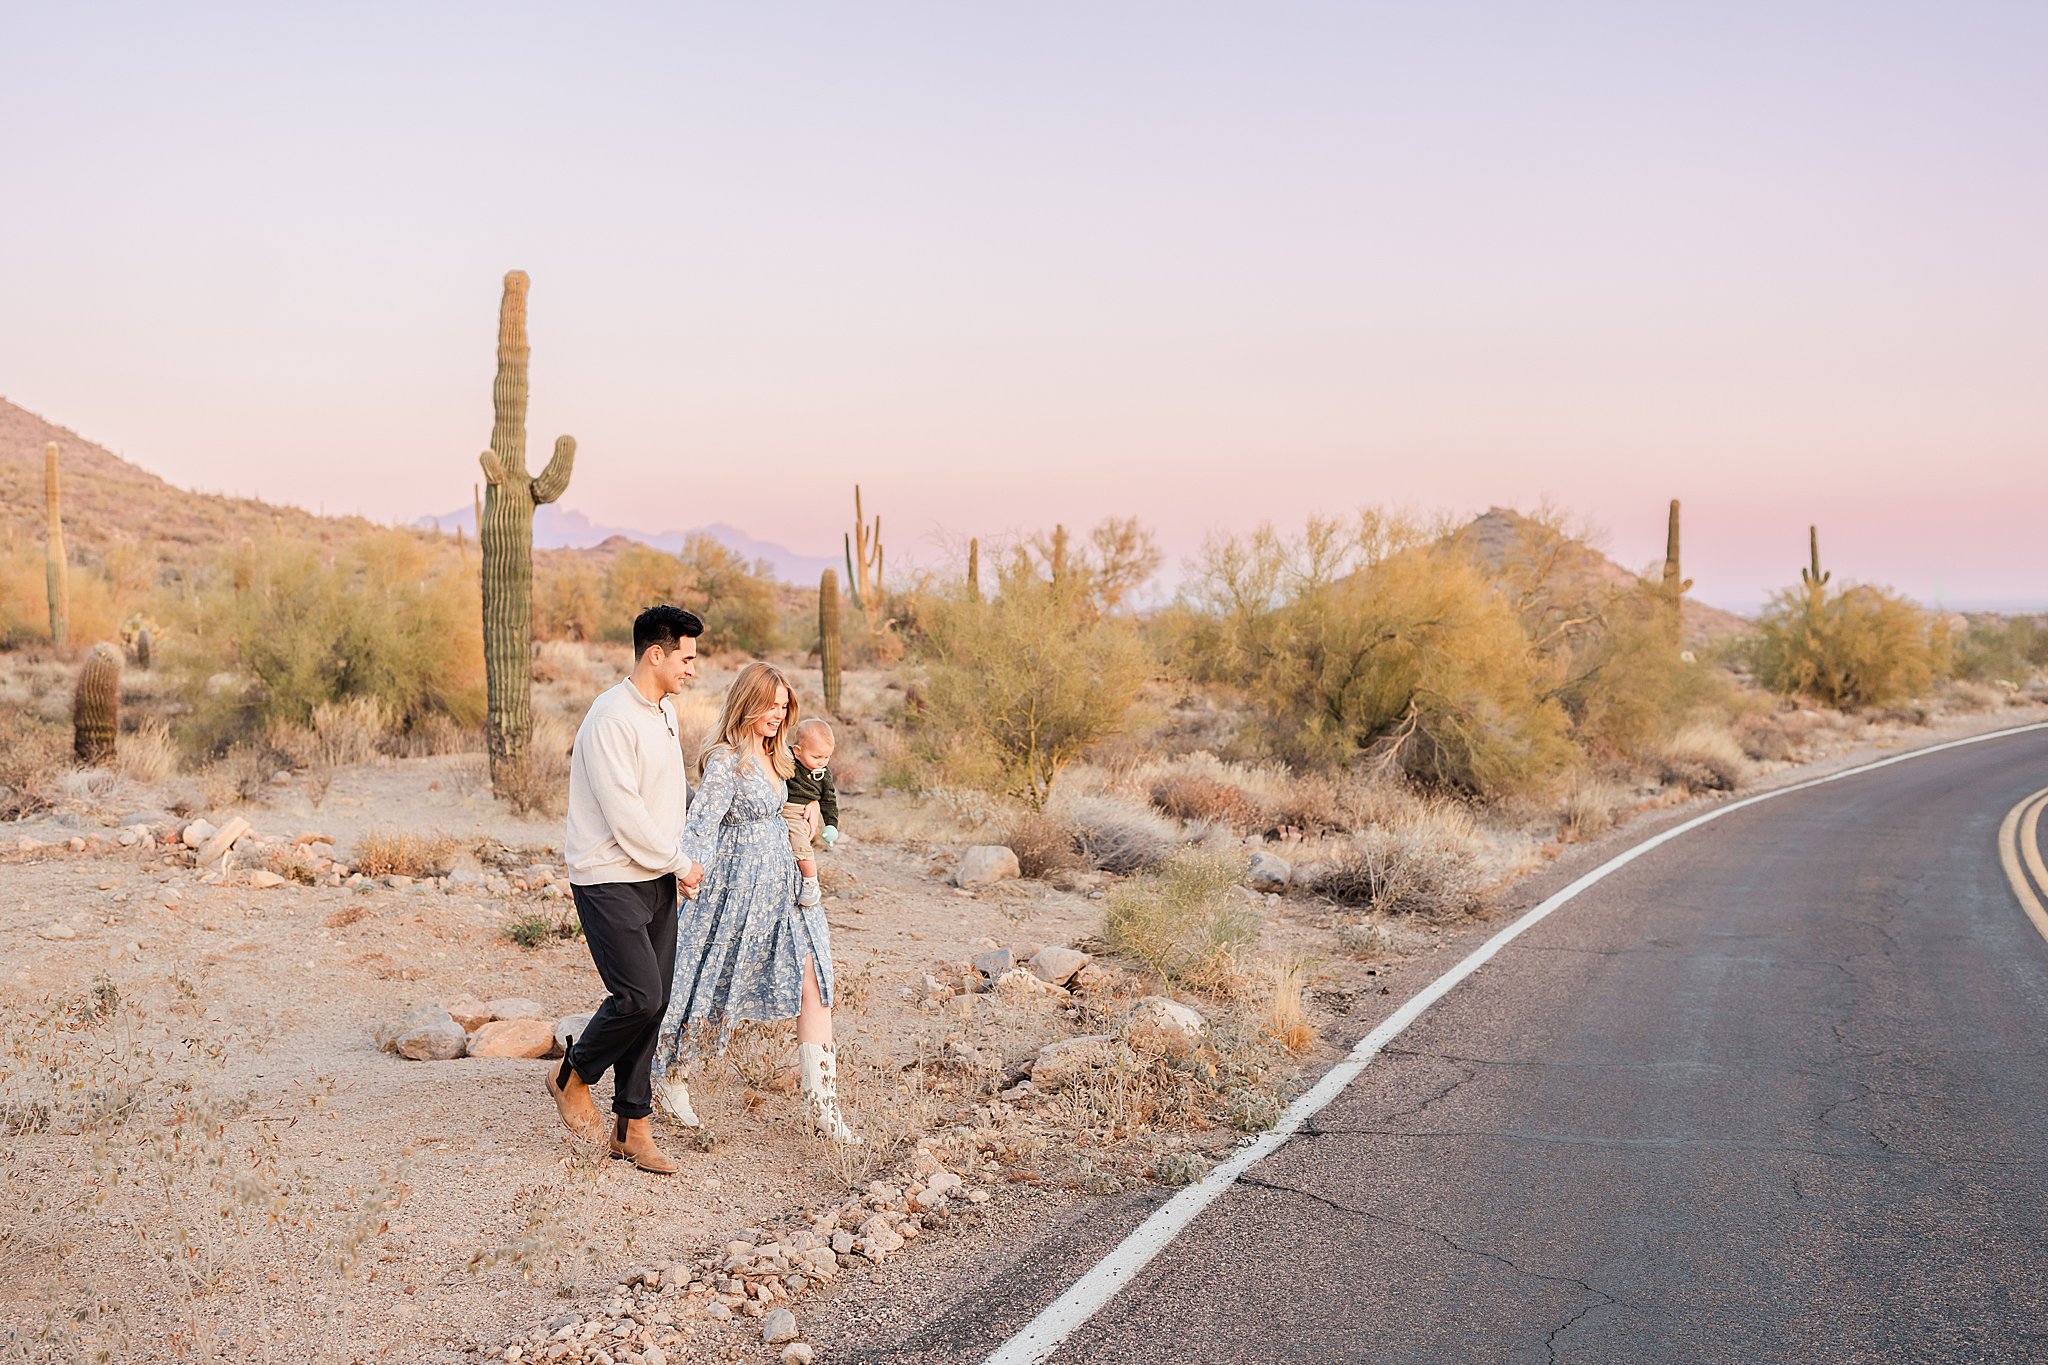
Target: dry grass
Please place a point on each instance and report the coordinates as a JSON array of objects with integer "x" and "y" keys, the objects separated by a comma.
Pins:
[
  {"x": 1426, "y": 863},
  {"x": 405, "y": 853},
  {"x": 33, "y": 760},
  {"x": 1591, "y": 807},
  {"x": 540, "y": 784},
  {"x": 1704, "y": 758},
  {"x": 147, "y": 754},
  {"x": 1286, "y": 1021}
]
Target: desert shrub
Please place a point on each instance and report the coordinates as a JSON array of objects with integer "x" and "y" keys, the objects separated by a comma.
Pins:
[
  {"x": 1862, "y": 646},
  {"x": 1991, "y": 649},
  {"x": 1971, "y": 698},
  {"x": 1187, "y": 921},
  {"x": 1426, "y": 864},
  {"x": 538, "y": 928},
  {"x": 1365, "y": 938},
  {"x": 1043, "y": 844},
  {"x": 539, "y": 783},
  {"x": 1114, "y": 835},
  {"x": 1191, "y": 796},
  {"x": 569, "y": 599},
  {"x": 34, "y": 756},
  {"x": 381, "y": 619},
  {"x": 1375, "y": 641},
  {"x": 339, "y": 733},
  {"x": 1703, "y": 758},
  {"x": 428, "y": 736},
  {"x": 735, "y": 598},
  {"x": 1286, "y": 1020},
  {"x": 405, "y": 853},
  {"x": 1773, "y": 738},
  {"x": 1019, "y": 686}
]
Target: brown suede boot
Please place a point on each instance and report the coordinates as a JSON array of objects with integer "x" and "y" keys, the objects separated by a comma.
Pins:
[
  {"x": 633, "y": 1140},
  {"x": 572, "y": 1100}
]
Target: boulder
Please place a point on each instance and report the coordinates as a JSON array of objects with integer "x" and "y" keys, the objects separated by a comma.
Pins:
[
  {"x": 1269, "y": 871},
  {"x": 57, "y": 930},
  {"x": 985, "y": 865},
  {"x": 196, "y": 833},
  {"x": 1159, "y": 1027},
  {"x": 779, "y": 1326},
  {"x": 993, "y": 964},
  {"x": 1017, "y": 981},
  {"x": 567, "y": 1027},
  {"x": 1056, "y": 965},
  {"x": 1071, "y": 1059},
  {"x": 223, "y": 839},
  {"x": 514, "y": 1007},
  {"x": 437, "y": 1039},
  {"x": 389, "y": 1031},
  {"x": 468, "y": 1011},
  {"x": 513, "y": 1038}
]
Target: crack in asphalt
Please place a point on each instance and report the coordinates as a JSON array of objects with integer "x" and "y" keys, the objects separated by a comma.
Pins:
[{"x": 1602, "y": 1299}]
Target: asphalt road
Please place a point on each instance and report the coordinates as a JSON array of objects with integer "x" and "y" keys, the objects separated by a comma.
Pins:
[{"x": 1776, "y": 1091}]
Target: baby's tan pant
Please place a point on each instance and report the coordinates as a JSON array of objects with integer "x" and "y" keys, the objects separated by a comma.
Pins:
[{"x": 804, "y": 823}]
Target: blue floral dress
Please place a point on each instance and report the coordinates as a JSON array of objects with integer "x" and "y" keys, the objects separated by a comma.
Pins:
[{"x": 741, "y": 944}]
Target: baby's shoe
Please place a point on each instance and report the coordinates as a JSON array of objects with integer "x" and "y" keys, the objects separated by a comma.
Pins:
[{"x": 808, "y": 897}]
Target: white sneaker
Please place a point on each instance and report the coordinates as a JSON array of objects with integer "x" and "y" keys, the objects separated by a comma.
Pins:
[
  {"x": 808, "y": 897},
  {"x": 672, "y": 1097}
]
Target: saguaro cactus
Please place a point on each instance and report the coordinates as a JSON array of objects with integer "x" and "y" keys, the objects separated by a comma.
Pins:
[
  {"x": 145, "y": 649},
  {"x": 1674, "y": 586},
  {"x": 1812, "y": 577},
  {"x": 864, "y": 562},
  {"x": 505, "y": 536},
  {"x": 96, "y": 706},
  {"x": 57, "y": 570},
  {"x": 973, "y": 569},
  {"x": 828, "y": 636}
]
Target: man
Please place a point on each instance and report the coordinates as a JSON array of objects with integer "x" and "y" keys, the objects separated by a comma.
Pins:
[{"x": 627, "y": 795}]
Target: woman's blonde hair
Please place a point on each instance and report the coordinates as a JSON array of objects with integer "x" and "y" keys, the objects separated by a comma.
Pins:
[{"x": 752, "y": 696}]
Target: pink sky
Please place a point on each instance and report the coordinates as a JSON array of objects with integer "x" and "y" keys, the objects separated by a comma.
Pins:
[{"x": 1210, "y": 265}]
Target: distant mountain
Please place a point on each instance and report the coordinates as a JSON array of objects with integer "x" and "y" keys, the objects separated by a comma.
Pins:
[{"x": 559, "y": 528}]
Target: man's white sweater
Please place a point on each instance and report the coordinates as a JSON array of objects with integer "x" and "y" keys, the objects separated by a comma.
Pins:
[{"x": 627, "y": 792}]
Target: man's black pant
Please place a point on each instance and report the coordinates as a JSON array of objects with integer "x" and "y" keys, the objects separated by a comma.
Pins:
[{"x": 631, "y": 930}]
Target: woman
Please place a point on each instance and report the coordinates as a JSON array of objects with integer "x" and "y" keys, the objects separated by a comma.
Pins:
[{"x": 745, "y": 948}]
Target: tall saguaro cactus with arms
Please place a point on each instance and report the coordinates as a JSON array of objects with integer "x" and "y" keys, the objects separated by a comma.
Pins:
[
  {"x": 505, "y": 537},
  {"x": 864, "y": 562}
]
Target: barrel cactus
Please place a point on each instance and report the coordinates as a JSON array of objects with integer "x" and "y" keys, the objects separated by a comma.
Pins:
[
  {"x": 57, "y": 570},
  {"x": 505, "y": 537},
  {"x": 96, "y": 706},
  {"x": 828, "y": 637}
]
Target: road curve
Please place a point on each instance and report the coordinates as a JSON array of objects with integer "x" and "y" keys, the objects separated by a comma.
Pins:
[{"x": 1777, "y": 1090}]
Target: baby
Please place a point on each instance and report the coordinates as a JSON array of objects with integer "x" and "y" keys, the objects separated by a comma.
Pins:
[{"x": 813, "y": 809}]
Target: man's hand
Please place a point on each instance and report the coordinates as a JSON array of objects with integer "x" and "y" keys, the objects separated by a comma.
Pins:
[{"x": 689, "y": 882}]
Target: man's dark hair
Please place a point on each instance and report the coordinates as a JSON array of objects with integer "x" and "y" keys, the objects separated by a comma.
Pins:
[{"x": 665, "y": 626}]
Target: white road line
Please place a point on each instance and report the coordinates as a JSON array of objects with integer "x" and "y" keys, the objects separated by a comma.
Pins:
[{"x": 1058, "y": 1320}]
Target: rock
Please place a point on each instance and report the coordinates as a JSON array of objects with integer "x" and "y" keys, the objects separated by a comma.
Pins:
[
  {"x": 398, "y": 881},
  {"x": 388, "y": 1031},
  {"x": 778, "y": 1327},
  {"x": 1056, "y": 965},
  {"x": 1269, "y": 871},
  {"x": 512, "y": 1038},
  {"x": 223, "y": 839},
  {"x": 514, "y": 1007},
  {"x": 1018, "y": 981},
  {"x": 58, "y": 930},
  {"x": 993, "y": 965},
  {"x": 468, "y": 1011},
  {"x": 1070, "y": 1059},
  {"x": 797, "y": 1353},
  {"x": 570, "y": 1026},
  {"x": 440, "y": 1040},
  {"x": 653, "y": 1355},
  {"x": 265, "y": 880},
  {"x": 1160, "y": 1027},
  {"x": 197, "y": 833},
  {"x": 985, "y": 865},
  {"x": 151, "y": 818}
]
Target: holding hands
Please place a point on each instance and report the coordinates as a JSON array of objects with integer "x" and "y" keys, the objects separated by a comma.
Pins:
[{"x": 689, "y": 882}]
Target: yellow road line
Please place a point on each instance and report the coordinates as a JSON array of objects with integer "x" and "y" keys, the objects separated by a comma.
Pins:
[{"x": 2019, "y": 842}]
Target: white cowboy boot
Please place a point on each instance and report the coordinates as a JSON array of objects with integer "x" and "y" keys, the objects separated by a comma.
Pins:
[
  {"x": 821, "y": 1093},
  {"x": 672, "y": 1097}
]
